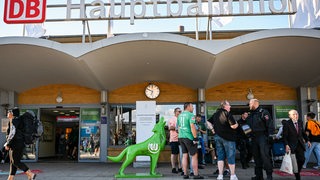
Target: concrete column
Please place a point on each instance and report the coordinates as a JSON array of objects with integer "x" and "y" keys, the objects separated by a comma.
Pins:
[
  {"x": 307, "y": 98},
  {"x": 104, "y": 126},
  {"x": 8, "y": 99},
  {"x": 201, "y": 101}
]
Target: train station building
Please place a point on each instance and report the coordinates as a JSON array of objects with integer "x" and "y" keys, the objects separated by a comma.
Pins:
[{"x": 88, "y": 91}]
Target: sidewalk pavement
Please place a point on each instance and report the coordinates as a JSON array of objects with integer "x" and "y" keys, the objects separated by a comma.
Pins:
[{"x": 106, "y": 171}]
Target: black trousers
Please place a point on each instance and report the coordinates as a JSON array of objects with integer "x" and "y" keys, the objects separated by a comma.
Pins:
[
  {"x": 245, "y": 149},
  {"x": 261, "y": 155},
  {"x": 15, "y": 161},
  {"x": 299, "y": 151}
]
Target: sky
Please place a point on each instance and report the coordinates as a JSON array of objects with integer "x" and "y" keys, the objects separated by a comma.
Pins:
[{"x": 154, "y": 25}]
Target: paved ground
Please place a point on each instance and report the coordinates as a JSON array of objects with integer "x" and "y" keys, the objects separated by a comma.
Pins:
[{"x": 99, "y": 171}]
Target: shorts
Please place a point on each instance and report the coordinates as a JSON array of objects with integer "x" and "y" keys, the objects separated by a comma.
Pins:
[
  {"x": 225, "y": 149},
  {"x": 188, "y": 146},
  {"x": 174, "y": 147}
]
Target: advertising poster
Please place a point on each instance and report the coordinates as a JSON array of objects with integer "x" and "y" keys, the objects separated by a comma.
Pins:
[
  {"x": 211, "y": 110},
  {"x": 90, "y": 115},
  {"x": 90, "y": 118},
  {"x": 282, "y": 113},
  {"x": 89, "y": 133}
]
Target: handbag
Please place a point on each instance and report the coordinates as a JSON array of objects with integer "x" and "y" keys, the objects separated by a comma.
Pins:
[
  {"x": 286, "y": 165},
  {"x": 246, "y": 129}
]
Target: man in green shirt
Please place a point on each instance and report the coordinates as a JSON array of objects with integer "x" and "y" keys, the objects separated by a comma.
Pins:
[{"x": 188, "y": 140}]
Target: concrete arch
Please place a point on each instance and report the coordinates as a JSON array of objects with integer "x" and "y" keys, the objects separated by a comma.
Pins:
[{"x": 270, "y": 55}]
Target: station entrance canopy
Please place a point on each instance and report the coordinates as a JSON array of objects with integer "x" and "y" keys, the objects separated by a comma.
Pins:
[{"x": 152, "y": 9}]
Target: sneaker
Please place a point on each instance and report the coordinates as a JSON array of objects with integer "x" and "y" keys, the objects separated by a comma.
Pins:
[
  {"x": 226, "y": 172},
  {"x": 304, "y": 167},
  {"x": 220, "y": 177},
  {"x": 233, "y": 177},
  {"x": 174, "y": 171},
  {"x": 198, "y": 177},
  {"x": 316, "y": 167},
  {"x": 180, "y": 170},
  {"x": 191, "y": 174}
]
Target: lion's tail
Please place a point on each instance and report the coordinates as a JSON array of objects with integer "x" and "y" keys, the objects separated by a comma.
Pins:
[{"x": 119, "y": 157}]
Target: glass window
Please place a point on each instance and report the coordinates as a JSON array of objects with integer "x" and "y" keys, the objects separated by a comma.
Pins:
[
  {"x": 123, "y": 122},
  {"x": 122, "y": 125},
  {"x": 90, "y": 134}
]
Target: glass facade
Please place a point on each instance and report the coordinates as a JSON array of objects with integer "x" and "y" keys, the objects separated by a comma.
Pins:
[
  {"x": 122, "y": 125},
  {"x": 89, "y": 134}
]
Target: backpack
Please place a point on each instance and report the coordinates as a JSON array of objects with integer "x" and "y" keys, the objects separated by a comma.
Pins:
[
  {"x": 314, "y": 127},
  {"x": 32, "y": 127}
]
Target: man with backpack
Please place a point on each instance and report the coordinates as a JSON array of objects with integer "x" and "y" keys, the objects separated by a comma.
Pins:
[
  {"x": 15, "y": 144},
  {"x": 313, "y": 132}
]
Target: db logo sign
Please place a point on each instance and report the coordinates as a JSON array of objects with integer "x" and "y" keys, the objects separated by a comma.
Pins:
[{"x": 24, "y": 11}]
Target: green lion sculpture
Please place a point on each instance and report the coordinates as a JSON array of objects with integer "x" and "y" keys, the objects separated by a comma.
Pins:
[{"x": 150, "y": 147}]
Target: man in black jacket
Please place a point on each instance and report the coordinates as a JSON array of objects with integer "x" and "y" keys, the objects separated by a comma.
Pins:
[
  {"x": 294, "y": 139},
  {"x": 225, "y": 127},
  {"x": 15, "y": 145},
  {"x": 262, "y": 127}
]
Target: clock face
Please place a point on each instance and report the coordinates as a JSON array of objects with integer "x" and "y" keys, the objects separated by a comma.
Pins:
[{"x": 152, "y": 91}]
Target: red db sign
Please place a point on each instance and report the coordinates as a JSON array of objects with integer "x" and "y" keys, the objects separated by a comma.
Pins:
[{"x": 24, "y": 11}]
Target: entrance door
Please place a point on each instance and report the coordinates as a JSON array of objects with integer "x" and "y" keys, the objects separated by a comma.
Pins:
[{"x": 61, "y": 134}]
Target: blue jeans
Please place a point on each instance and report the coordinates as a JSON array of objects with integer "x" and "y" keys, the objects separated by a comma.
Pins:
[
  {"x": 315, "y": 146},
  {"x": 225, "y": 149}
]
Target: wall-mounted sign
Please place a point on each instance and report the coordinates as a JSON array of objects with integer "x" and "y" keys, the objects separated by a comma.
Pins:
[
  {"x": 68, "y": 118},
  {"x": 90, "y": 115},
  {"x": 146, "y": 119},
  {"x": 27, "y": 11},
  {"x": 24, "y": 11}
]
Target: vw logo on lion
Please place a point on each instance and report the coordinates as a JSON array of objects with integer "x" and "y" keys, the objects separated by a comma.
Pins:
[{"x": 153, "y": 148}]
